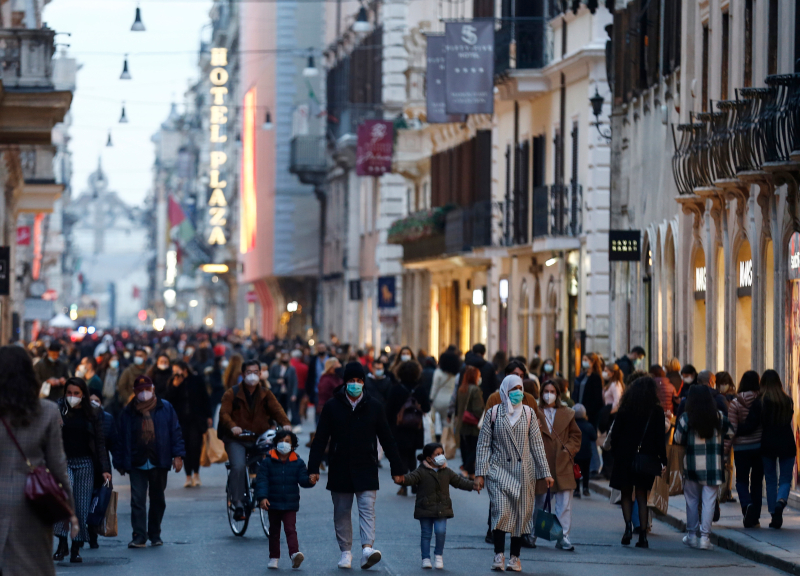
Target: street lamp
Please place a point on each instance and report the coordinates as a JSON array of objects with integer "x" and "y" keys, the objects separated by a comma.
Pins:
[
  {"x": 109, "y": 144},
  {"x": 597, "y": 109},
  {"x": 126, "y": 75},
  {"x": 123, "y": 119},
  {"x": 267, "y": 125}
]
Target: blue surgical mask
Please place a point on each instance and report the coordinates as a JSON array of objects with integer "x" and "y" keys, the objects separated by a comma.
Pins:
[
  {"x": 284, "y": 447},
  {"x": 354, "y": 389},
  {"x": 379, "y": 373},
  {"x": 516, "y": 396},
  {"x": 548, "y": 368}
]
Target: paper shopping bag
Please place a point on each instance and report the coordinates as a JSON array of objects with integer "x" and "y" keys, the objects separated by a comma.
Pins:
[
  {"x": 675, "y": 454},
  {"x": 448, "y": 442},
  {"x": 108, "y": 527},
  {"x": 658, "y": 497},
  {"x": 214, "y": 448}
]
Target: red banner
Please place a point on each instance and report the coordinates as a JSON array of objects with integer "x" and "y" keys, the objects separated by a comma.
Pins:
[
  {"x": 23, "y": 235},
  {"x": 375, "y": 147}
]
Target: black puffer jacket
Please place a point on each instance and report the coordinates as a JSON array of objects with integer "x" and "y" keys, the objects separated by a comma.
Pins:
[
  {"x": 354, "y": 436},
  {"x": 433, "y": 490},
  {"x": 777, "y": 438},
  {"x": 280, "y": 482}
]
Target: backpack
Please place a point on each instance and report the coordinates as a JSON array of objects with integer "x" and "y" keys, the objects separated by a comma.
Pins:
[{"x": 410, "y": 415}]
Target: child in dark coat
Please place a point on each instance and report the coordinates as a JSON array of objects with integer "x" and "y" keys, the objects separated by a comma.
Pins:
[
  {"x": 433, "y": 507},
  {"x": 278, "y": 482},
  {"x": 584, "y": 456}
]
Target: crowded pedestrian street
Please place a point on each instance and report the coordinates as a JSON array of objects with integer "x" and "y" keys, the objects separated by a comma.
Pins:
[{"x": 198, "y": 540}]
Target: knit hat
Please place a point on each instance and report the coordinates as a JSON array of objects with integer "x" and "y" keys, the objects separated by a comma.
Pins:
[
  {"x": 354, "y": 370},
  {"x": 141, "y": 383}
]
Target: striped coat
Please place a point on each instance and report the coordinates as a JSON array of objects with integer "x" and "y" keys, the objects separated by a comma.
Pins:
[{"x": 511, "y": 459}]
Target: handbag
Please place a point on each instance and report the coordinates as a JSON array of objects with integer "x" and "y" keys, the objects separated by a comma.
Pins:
[
  {"x": 468, "y": 417},
  {"x": 547, "y": 525},
  {"x": 645, "y": 464},
  {"x": 43, "y": 492},
  {"x": 108, "y": 527},
  {"x": 100, "y": 500}
]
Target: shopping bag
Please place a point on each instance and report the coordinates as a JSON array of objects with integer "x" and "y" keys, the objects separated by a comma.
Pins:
[
  {"x": 448, "y": 442},
  {"x": 97, "y": 509},
  {"x": 428, "y": 428},
  {"x": 108, "y": 527},
  {"x": 547, "y": 526},
  {"x": 675, "y": 453},
  {"x": 658, "y": 497},
  {"x": 204, "y": 461},
  {"x": 214, "y": 448}
]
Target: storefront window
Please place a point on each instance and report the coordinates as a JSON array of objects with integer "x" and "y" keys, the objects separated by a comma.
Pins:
[{"x": 793, "y": 331}]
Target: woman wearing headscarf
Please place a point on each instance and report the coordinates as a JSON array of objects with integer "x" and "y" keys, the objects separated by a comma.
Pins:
[{"x": 511, "y": 458}]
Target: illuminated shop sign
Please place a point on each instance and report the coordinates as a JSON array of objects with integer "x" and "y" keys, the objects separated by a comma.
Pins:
[
  {"x": 745, "y": 278},
  {"x": 247, "y": 206},
  {"x": 218, "y": 118},
  {"x": 700, "y": 283},
  {"x": 624, "y": 245},
  {"x": 794, "y": 257}
]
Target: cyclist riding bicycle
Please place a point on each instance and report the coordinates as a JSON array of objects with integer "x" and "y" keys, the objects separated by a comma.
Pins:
[{"x": 246, "y": 407}]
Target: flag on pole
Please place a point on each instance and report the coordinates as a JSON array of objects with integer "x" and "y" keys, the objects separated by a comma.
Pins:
[{"x": 178, "y": 219}]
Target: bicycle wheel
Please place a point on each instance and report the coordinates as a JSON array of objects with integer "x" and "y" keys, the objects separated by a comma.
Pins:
[
  {"x": 238, "y": 527},
  {"x": 264, "y": 521}
]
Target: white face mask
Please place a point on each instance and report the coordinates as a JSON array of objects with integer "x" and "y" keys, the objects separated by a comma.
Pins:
[
  {"x": 405, "y": 357},
  {"x": 284, "y": 447},
  {"x": 95, "y": 403},
  {"x": 606, "y": 375},
  {"x": 163, "y": 365},
  {"x": 73, "y": 401},
  {"x": 144, "y": 395},
  {"x": 251, "y": 379},
  {"x": 265, "y": 374},
  {"x": 224, "y": 364},
  {"x": 688, "y": 379},
  {"x": 440, "y": 460},
  {"x": 549, "y": 398},
  {"x": 585, "y": 364},
  {"x": 80, "y": 372}
]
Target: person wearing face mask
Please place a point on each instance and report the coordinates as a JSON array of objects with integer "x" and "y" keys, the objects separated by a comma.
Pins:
[
  {"x": 666, "y": 392},
  {"x": 110, "y": 380},
  {"x": 246, "y": 406},
  {"x": 689, "y": 378},
  {"x": 188, "y": 395},
  {"x": 283, "y": 383},
  {"x": 561, "y": 436},
  {"x": 613, "y": 388},
  {"x": 405, "y": 355},
  {"x": 511, "y": 458},
  {"x": 352, "y": 421},
  {"x": 280, "y": 476},
  {"x": 433, "y": 507},
  {"x": 161, "y": 374},
  {"x": 137, "y": 368},
  {"x": 469, "y": 407},
  {"x": 548, "y": 370},
  {"x": 52, "y": 373},
  {"x": 87, "y": 370},
  {"x": 87, "y": 461},
  {"x": 149, "y": 442},
  {"x": 631, "y": 361}
]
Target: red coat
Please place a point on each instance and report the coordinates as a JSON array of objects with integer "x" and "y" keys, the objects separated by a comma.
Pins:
[
  {"x": 327, "y": 384},
  {"x": 302, "y": 373}
]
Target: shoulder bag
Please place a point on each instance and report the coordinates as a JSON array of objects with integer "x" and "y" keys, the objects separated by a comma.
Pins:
[
  {"x": 646, "y": 464},
  {"x": 468, "y": 417},
  {"x": 43, "y": 492}
]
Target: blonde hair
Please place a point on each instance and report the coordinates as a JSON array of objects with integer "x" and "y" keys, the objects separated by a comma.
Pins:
[
  {"x": 330, "y": 365},
  {"x": 674, "y": 365}
]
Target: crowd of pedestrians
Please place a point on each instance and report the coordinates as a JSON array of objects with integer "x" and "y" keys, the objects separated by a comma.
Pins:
[{"x": 529, "y": 436}]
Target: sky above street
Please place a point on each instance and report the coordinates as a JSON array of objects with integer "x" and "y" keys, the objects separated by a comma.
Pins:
[{"x": 162, "y": 60}]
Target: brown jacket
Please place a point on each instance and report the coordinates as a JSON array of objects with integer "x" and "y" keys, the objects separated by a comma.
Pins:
[
  {"x": 559, "y": 459},
  {"x": 235, "y": 411},
  {"x": 494, "y": 400}
]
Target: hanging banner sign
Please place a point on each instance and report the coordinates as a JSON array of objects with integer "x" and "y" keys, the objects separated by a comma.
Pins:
[
  {"x": 218, "y": 120},
  {"x": 374, "y": 148},
  {"x": 794, "y": 257},
  {"x": 387, "y": 292},
  {"x": 435, "y": 88},
  {"x": 624, "y": 245},
  {"x": 469, "y": 67}
]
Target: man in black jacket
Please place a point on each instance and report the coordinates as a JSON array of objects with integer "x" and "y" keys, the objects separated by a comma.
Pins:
[
  {"x": 316, "y": 366},
  {"x": 488, "y": 375},
  {"x": 352, "y": 420},
  {"x": 706, "y": 378}
]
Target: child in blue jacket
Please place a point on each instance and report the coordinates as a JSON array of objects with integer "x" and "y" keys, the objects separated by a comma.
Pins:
[{"x": 278, "y": 482}]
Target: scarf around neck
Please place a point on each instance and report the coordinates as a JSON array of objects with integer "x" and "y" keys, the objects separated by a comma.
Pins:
[
  {"x": 513, "y": 412},
  {"x": 145, "y": 409}
]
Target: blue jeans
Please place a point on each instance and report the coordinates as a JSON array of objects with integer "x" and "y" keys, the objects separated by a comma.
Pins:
[
  {"x": 777, "y": 489},
  {"x": 429, "y": 526},
  {"x": 749, "y": 476}
]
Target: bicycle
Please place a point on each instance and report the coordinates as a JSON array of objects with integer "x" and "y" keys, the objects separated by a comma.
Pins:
[{"x": 254, "y": 455}]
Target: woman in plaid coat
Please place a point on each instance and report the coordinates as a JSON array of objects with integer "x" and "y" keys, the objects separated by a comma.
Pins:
[
  {"x": 703, "y": 430},
  {"x": 511, "y": 458}
]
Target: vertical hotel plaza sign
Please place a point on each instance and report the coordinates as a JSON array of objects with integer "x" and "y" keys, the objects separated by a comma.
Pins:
[
  {"x": 469, "y": 67},
  {"x": 218, "y": 120},
  {"x": 374, "y": 148}
]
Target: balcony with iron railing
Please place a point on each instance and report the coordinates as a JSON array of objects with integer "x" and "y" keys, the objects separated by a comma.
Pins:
[
  {"x": 759, "y": 129},
  {"x": 468, "y": 228},
  {"x": 520, "y": 44},
  {"x": 308, "y": 159}
]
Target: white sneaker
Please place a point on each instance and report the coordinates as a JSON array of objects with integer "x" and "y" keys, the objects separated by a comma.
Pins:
[
  {"x": 564, "y": 544},
  {"x": 369, "y": 557},
  {"x": 690, "y": 540},
  {"x": 297, "y": 559},
  {"x": 273, "y": 564},
  {"x": 346, "y": 560},
  {"x": 514, "y": 564},
  {"x": 426, "y": 563},
  {"x": 499, "y": 563},
  {"x": 705, "y": 543},
  {"x": 438, "y": 562}
]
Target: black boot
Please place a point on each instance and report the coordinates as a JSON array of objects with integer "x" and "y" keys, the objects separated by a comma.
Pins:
[
  {"x": 75, "y": 553},
  {"x": 626, "y": 538},
  {"x": 62, "y": 550},
  {"x": 93, "y": 538},
  {"x": 642, "y": 543}
]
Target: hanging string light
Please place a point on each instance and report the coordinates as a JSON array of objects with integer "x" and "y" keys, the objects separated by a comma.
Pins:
[
  {"x": 310, "y": 71},
  {"x": 125, "y": 74},
  {"x": 109, "y": 144},
  {"x": 267, "y": 125},
  {"x": 123, "y": 119},
  {"x": 138, "y": 25}
]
